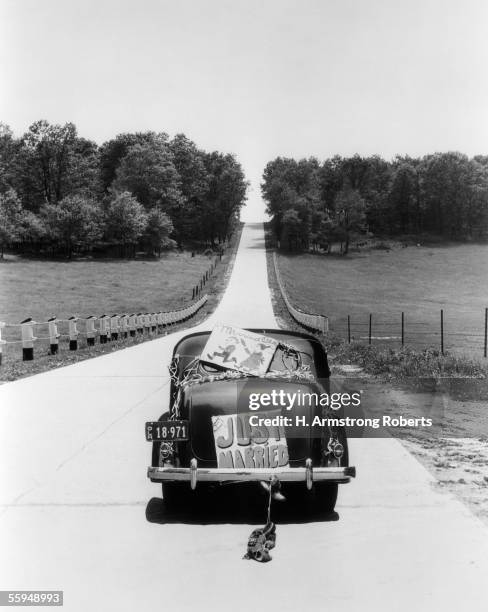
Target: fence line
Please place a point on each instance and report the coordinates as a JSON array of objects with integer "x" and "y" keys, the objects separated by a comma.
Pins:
[
  {"x": 315, "y": 322},
  {"x": 409, "y": 332},
  {"x": 109, "y": 328},
  {"x": 198, "y": 288},
  {"x": 371, "y": 330}
]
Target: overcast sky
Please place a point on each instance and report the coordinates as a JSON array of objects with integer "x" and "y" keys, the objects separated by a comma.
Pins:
[{"x": 258, "y": 78}]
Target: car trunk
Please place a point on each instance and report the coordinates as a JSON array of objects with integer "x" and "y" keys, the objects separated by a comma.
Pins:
[{"x": 219, "y": 415}]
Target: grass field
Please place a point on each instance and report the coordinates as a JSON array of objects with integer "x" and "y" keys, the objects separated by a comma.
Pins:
[
  {"x": 416, "y": 280},
  {"x": 41, "y": 289}
]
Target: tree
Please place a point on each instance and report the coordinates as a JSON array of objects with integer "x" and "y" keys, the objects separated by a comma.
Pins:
[
  {"x": 10, "y": 217},
  {"x": 32, "y": 228},
  {"x": 126, "y": 220},
  {"x": 402, "y": 198},
  {"x": 293, "y": 229},
  {"x": 83, "y": 172},
  {"x": 322, "y": 229},
  {"x": 446, "y": 179},
  {"x": 292, "y": 185},
  {"x": 189, "y": 162},
  {"x": 7, "y": 152},
  {"x": 44, "y": 161},
  {"x": 158, "y": 231},
  {"x": 350, "y": 210},
  {"x": 148, "y": 172},
  {"x": 73, "y": 224},
  {"x": 114, "y": 150},
  {"x": 224, "y": 198}
]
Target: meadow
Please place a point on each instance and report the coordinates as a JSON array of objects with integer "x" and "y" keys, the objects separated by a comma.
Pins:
[
  {"x": 416, "y": 280},
  {"x": 43, "y": 288},
  {"x": 39, "y": 289}
]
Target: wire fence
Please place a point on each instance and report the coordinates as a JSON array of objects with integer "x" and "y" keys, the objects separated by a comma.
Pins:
[
  {"x": 445, "y": 330},
  {"x": 442, "y": 331}
]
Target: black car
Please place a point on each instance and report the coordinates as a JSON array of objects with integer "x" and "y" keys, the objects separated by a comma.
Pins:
[{"x": 224, "y": 427}]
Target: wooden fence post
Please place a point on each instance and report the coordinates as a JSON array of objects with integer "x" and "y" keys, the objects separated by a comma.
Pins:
[
  {"x": 123, "y": 325},
  {"x": 442, "y": 331},
  {"x": 349, "y": 329},
  {"x": 73, "y": 334},
  {"x": 485, "y": 352},
  {"x": 370, "y": 324},
  {"x": 90, "y": 330},
  {"x": 53, "y": 336},
  {"x": 2, "y": 342},
  {"x": 403, "y": 328},
  {"x": 132, "y": 325},
  {"x": 114, "y": 327},
  {"x": 140, "y": 323},
  {"x": 27, "y": 339},
  {"x": 103, "y": 329}
]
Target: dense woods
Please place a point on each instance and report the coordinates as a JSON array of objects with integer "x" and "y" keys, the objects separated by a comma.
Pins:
[
  {"x": 314, "y": 204},
  {"x": 62, "y": 194}
]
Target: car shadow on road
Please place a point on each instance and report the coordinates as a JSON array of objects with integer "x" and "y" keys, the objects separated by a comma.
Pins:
[{"x": 235, "y": 507}]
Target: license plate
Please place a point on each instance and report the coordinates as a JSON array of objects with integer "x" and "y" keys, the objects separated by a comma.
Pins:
[{"x": 157, "y": 431}]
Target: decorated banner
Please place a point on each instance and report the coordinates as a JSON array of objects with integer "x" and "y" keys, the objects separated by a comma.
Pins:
[
  {"x": 238, "y": 349},
  {"x": 239, "y": 445}
]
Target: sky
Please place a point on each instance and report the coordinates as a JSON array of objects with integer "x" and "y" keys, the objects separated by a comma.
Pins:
[{"x": 257, "y": 78}]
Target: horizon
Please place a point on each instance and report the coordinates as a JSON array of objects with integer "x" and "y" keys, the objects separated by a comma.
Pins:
[{"x": 260, "y": 81}]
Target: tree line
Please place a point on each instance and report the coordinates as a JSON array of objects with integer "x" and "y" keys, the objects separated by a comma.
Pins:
[
  {"x": 61, "y": 193},
  {"x": 315, "y": 204}
]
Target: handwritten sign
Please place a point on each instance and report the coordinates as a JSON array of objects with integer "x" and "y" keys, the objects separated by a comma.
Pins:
[
  {"x": 238, "y": 349},
  {"x": 239, "y": 445}
]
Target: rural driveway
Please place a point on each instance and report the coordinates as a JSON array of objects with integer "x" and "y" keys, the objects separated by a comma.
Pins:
[{"x": 74, "y": 495}]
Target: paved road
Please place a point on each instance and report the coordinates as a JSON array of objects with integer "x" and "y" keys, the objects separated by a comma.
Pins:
[{"x": 74, "y": 497}]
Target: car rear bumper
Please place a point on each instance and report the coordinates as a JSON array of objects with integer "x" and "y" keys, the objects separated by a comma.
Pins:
[{"x": 307, "y": 474}]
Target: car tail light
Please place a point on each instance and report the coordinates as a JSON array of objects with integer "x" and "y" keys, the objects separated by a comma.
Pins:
[{"x": 338, "y": 450}]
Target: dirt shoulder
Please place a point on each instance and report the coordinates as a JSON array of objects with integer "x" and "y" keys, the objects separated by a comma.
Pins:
[{"x": 454, "y": 450}]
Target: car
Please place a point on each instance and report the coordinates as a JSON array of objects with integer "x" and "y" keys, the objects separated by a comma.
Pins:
[{"x": 224, "y": 427}]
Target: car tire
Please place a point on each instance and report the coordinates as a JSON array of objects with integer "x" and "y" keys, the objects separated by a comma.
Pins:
[
  {"x": 326, "y": 496},
  {"x": 175, "y": 495},
  {"x": 178, "y": 496}
]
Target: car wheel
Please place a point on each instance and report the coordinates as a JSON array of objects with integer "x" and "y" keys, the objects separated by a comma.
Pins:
[
  {"x": 179, "y": 496},
  {"x": 326, "y": 496},
  {"x": 175, "y": 494}
]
